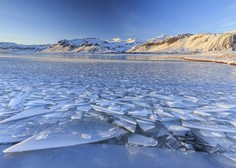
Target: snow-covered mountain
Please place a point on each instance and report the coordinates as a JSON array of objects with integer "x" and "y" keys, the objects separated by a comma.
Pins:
[
  {"x": 189, "y": 43},
  {"x": 93, "y": 45},
  {"x": 159, "y": 38},
  {"x": 183, "y": 43},
  {"x": 7, "y": 47}
]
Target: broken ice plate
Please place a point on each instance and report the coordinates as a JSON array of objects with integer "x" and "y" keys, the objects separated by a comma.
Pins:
[
  {"x": 26, "y": 114},
  {"x": 106, "y": 110},
  {"x": 87, "y": 131},
  {"x": 208, "y": 126},
  {"x": 124, "y": 124}
]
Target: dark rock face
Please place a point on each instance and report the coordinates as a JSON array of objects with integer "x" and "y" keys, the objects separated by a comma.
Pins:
[
  {"x": 63, "y": 42},
  {"x": 171, "y": 40},
  {"x": 234, "y": 43},
  {"x": 86, "y": 44},
  {"x": 168, "y": 40}
]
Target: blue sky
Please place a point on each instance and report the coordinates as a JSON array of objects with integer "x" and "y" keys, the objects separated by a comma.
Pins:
[{"x": 47, "y": 21}]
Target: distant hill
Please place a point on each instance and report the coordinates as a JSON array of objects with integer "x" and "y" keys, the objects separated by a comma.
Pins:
[{"x": 7, "y": 47}]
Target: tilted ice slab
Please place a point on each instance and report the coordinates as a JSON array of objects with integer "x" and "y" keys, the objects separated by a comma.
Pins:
[
  {"x": 127, "y": 125},
  {"x": 145, "y": 125},
  {"x": 69, "y": 134},
  {"x": 106, "y": 110},
  {"x": 26, "y": 114},
  {"x": 224, "y": 143},
  {"x": 208, "y": 126}
]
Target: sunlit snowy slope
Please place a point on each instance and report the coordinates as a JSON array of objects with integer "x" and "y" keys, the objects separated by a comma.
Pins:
[{"x": 189, "y": 43}]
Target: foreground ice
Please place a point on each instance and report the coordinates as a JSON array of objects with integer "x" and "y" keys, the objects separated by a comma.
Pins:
[
  {"x": 69, "y": 134},
  {"x": 108, "y": 155},
  {"x": 72, "y": 103}
]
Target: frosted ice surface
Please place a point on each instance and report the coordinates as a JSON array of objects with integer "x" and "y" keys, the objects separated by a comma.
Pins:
[
  {"x": 83, "y": 108},
  {"x": 140, "y": 140},
  {"x": 87, "y": 136},
  {"x": 209, "y": 126},
  {"x": 126, "y": 119},
  {"x": 214, "y": 141},
  {"x": 231, "y": 135},
  {"x": 39, "y": 102},
  {"x": 233, "y": 122},
  {"x": 77, "y": 116},
  {"x": 230, "y": 156},
  {"x": 212, "y": 134},
  {"x": 42, "y": 135},
  {"x": 19, "y": 131},
  {"x": 15, "y": 102},
  {"x": 178, "y": 128},
  {"x": 162, "y": 113},
  {"x": 140, "y": 112},
  {"x": 106, "y": 110}
]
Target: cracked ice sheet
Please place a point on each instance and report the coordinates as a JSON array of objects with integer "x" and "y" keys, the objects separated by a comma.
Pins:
[{"x": 147, "y": 86}]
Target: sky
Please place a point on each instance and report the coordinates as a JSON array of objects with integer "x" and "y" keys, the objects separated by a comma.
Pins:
[{"x": 48, "y": 21}]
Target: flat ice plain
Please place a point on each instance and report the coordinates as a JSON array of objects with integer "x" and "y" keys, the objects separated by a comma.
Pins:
[{"x": 72, "y": 112}]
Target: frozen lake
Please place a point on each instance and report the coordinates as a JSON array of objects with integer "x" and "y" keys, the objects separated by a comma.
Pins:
[{"x": 135, "y": 113}]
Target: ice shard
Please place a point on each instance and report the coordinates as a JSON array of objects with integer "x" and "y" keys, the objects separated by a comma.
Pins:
[
  {"x": 106, "y": 110},
  {"x": 69, "y": 134},
  {"x": 127, "y": 125},
  {"x": 26, "y": 114},
  {"x": 145, "y": 125},
  {"x": 208, "y": 126}
]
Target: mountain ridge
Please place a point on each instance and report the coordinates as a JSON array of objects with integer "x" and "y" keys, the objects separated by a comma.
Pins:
[
  {"x": 182, "y": 43},
  {"x": 93, "y": 45}
]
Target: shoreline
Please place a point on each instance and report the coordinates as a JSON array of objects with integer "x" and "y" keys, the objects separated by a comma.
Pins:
[
  {"x": 213, "y": 57},
  {"x": 213, "y": 61}
]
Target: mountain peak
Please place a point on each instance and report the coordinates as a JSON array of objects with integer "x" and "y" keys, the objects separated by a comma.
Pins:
[
  {"x": 159, "y": 38},
  {"x": 93, "y": 45}
]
